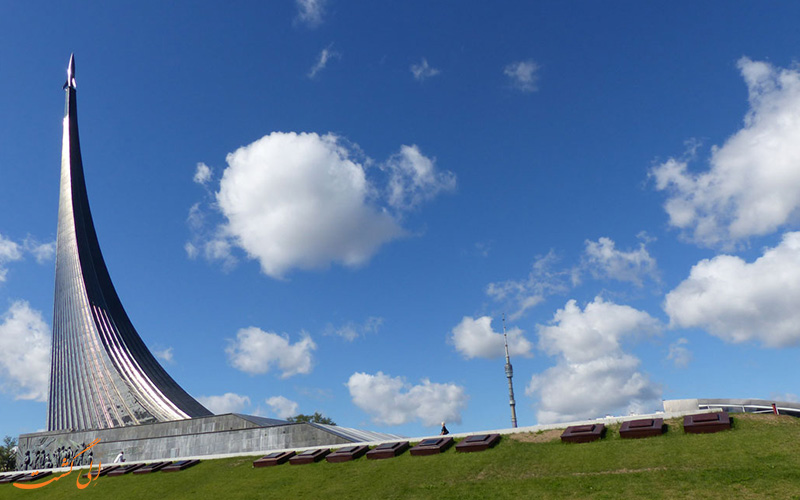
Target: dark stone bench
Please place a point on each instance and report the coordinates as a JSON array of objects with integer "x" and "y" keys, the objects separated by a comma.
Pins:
[
  {"x": 388, "y": 450},
  {"x": 180, "y": 465},
  {"x": 706, "y": 422},
  {"x": 347, "y": 454},
  {"x": 125, "y": 469},
  {"x": 28, "y": 477},
  {"x": 12, "y": 478},
  {"x": 309, "y": 457},
  {"x": 153, "y": 467},
  {"x": 432, "y": 446},
  {"x": 479, "y": 442},
  {"x": 583, "y": 433},
  {"x": 274, "y": 458},
  {"x": 104, "y": 470},
  {"x": 648, "y": 427}
]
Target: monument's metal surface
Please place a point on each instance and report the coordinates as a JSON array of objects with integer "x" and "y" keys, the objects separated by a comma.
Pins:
[{"x": 102, "y": 375}]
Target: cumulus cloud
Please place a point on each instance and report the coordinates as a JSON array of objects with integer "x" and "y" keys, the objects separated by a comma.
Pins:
[
  {"x": 226, "y": 403},
  {"x": 255, "y": 352},
  {"x": 679, "y": 353},
  {"x": 351, "y": 331},
  {"x": 604, "y": 261},
  {"x": 282, "y": 407},
  {"x": 523, "y": 75},
  {"x": 202, "y": 174},
  {"x": 580, "y": 336},
  {"x": 24, "y": 353},
  {"x": 392, "y": 401},
  {"x": 423, "y": 70},
  {"x": 739, "y": 301},
  {"x": 474, "y": 338},
  {"x": 303, "y": 201},
  {"x": 593, "y": 376},
  {"x": 543, "y": 280},
  {"x": 752, "y": 184},
  {"x": 310, "y": 12},
  {"x": 602, "y": 386},
  {"x": 322, "y": 61},
  {"x": 414, "y": 178},
  {"x": 298, "y": 200}
]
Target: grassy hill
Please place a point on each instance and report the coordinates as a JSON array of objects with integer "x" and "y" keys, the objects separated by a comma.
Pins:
[{"x": 758, "y": 458}]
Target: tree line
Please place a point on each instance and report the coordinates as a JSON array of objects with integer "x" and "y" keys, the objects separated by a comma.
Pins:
[{"x": 8, "y": 454}]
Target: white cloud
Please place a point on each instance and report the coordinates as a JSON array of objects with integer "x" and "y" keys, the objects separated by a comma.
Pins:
[
  {"x": 414, "y": 178},
  {"x": 255, "y": 351},
  {"x": 42, "y": 252},
  {"x": 24, "y": 353},
  {"x": 392, "y": 401},
  {"x": 213, "y": 245},
  {"x": 523, "y": 75},
  {"x": 9, "y": 252},
  {"x": 351, "y": 331},
  {"x": 348, "y": 331},
  {"x": 423, "y": 70},
  {"x": 604, "y": 261},
  {"x": 580, "y": 336},
  {"x": 474, "y": 338},
  {"x": 301, "y": 201},
  {"x": 326, "y": 55},
  {"x": 611, "y": 385},
  {"x": 203, "y": 174},
  {"x": 752, "y": 185},
  {"x": 739, "y": 301},
  {"x": 218, "y": 248},
  {"x": 191, "y": 250},
  {"x": 226, "y": 403},
  {"x": 593, "y": 376},
  {"x": 542, "y": 281},
  {"x": 282, "y": 407},
  {"x": 679, "y": 354},
  {"x": 310, "y": 12},
  {"x": 164, "y": 354},
  {"x": 196, "y": 218}
]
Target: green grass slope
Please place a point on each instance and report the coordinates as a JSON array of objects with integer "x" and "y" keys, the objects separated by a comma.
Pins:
[{"x": 758, "y": 458}]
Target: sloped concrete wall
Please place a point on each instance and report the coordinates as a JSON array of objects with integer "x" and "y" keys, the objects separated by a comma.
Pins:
[{"x": 216, "y": 435}]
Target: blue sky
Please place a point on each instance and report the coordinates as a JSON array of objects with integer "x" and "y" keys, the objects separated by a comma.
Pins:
[{"x": 328, "y": 206}]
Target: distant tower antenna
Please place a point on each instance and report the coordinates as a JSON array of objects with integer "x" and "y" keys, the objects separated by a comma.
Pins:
[{"x": 510, "y": 375}]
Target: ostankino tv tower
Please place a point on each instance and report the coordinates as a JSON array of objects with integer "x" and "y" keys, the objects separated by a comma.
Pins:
[{"x": 510, "y": 375}]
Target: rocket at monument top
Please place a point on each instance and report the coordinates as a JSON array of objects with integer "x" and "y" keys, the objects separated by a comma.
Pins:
[{"x": 70, "y": 83}]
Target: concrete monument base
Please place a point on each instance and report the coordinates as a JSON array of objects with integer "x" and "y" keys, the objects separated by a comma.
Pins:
[{"x": 196, "y": 437}]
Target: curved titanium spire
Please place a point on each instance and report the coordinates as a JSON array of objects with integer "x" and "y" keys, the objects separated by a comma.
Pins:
[{"x": 101, "y": 375}]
